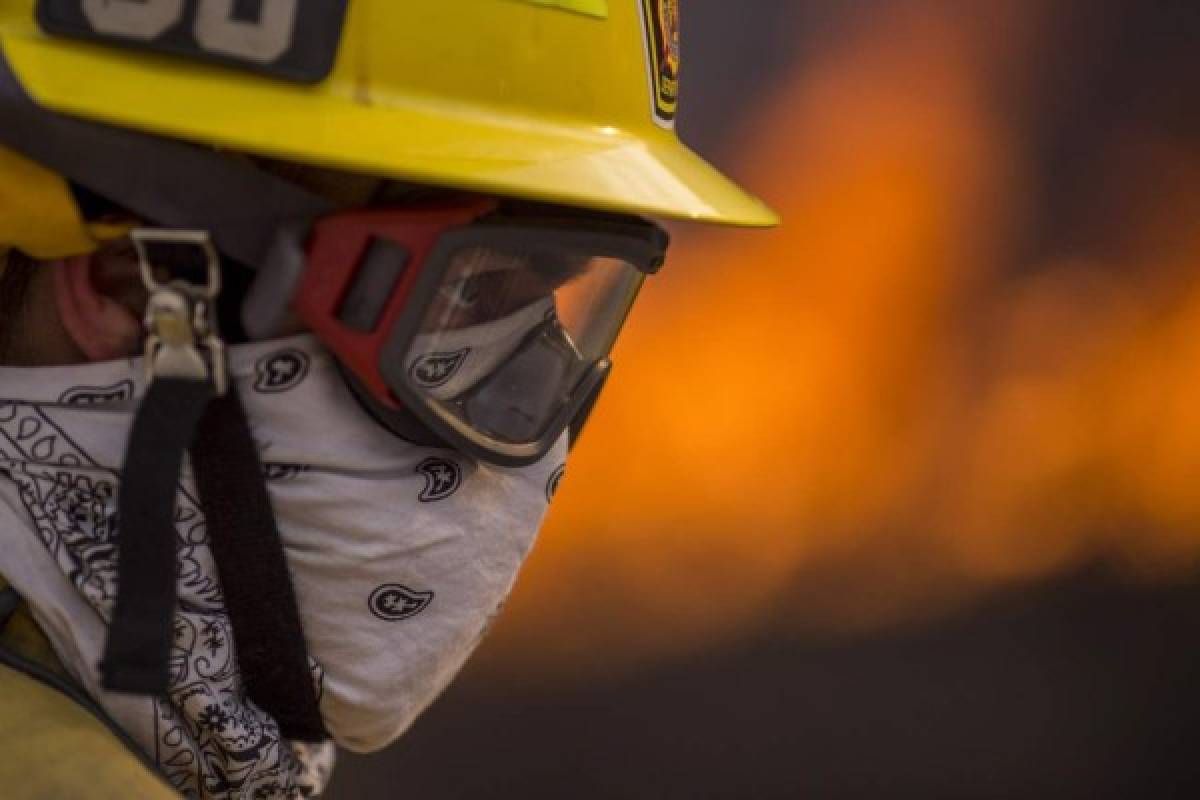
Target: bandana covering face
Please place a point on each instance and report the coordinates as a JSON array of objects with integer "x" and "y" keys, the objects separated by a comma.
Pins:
[{"x": 400, "y": 556}]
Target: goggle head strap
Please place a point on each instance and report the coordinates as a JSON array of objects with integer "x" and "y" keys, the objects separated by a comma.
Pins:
[{"x": 170, "y": 183}]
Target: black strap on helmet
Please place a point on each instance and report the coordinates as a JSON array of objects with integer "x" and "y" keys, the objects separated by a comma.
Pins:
[
  {"x": 189, "y": 405},
  {"x": 172, "y": 183},
  {"x": 179, "y": 185},
  {"x": 141, "y": 632},
  {"x": 252, "y": 566},
  {"x": 268, "y": 636}
]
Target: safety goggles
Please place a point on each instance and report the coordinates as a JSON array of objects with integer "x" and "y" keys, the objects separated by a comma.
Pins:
[{"x": 492, "y": 326}]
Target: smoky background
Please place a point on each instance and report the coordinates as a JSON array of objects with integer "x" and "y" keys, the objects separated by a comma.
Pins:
[{"x": 898, "y": 500}]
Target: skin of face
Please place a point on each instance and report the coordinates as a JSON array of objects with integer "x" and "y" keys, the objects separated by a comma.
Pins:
[{"x": 34, "y": 331}]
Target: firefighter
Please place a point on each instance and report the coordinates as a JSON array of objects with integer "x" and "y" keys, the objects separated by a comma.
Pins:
[{"x": 303, "y": 306}]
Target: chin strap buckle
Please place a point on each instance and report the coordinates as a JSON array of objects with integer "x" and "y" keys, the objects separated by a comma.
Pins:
[{"x": 182, "y": 272}]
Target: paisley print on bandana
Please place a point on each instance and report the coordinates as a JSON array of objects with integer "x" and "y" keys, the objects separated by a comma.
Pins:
[
  {"x": 400, "y": 554},
  {"x": 210, "y": 741}
]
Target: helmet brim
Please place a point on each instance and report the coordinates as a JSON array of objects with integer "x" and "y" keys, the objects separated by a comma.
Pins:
[{"x": 407, "y": 138}]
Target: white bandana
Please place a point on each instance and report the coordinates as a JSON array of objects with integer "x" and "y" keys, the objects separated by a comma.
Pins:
[{"x": 400, "y": 556}]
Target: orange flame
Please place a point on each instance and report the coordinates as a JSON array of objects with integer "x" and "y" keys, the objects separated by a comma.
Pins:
[{"x": 869, "y": 414}]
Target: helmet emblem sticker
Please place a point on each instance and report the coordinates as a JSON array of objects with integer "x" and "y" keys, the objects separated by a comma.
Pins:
[
  {"x": 395, "y": 603},
  {"x": 436, "y": 369},
  {"x": 660, "y": 21},
  {"x": 281, "y": 371},
  {"x": 97, "y": 395},
  {"x": 442, "y": 479}
]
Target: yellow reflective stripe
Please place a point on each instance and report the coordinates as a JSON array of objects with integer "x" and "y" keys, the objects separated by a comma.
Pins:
[{"x": 593, "y": 8}]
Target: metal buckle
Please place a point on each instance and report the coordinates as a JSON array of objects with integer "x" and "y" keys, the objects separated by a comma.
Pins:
[{"x": 181, "y": 327}]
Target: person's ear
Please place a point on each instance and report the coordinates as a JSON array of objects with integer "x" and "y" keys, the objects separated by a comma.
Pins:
[{"x": 98, "y": 301}]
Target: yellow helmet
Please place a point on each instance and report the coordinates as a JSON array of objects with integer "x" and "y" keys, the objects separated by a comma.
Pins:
[{"x": 566, "y": 101}]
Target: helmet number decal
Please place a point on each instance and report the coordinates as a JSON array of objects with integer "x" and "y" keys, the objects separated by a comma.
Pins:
[
  {"x": 263, "y": 39},
  {"x": 292, "y": 39},
  {"x": 140, "y": 19}
]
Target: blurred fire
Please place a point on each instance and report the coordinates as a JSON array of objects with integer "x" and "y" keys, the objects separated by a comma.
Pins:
[{"x": 887, "y": 406}]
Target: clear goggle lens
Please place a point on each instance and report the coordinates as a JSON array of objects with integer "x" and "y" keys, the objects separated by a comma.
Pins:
[{"x": 511, "y": 334}]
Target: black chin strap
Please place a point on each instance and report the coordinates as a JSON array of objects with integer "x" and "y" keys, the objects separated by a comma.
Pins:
[
  {"x": 253, "y": 570},
  {"x": 190, "y": 404},
  {"x": 141, "y": 633},
  {"x": 269, "y": 639}
]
